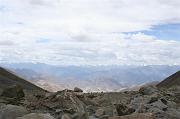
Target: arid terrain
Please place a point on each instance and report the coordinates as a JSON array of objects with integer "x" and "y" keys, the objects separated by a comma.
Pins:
[{"x": 23, "y": 100}]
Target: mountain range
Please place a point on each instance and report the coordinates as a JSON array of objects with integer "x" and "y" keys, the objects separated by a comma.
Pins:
[{"x": 91, "y": 78}]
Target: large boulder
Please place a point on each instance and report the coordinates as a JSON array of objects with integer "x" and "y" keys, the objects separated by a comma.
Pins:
[
  {"x": 138, "y": 103},
  {"x": 12, "y": 111},
  {"x": 64, "y": 100},
  {"x": 148, "y": 90},
  {"x": 13, "y": 92},
  {"x": 123, "y": 109},
  {"x": 76, "y": 89},
  {"x": 160, "y": 105},
  {"x": 110, "y": 110},
  {"x": 36, "y": 116}
]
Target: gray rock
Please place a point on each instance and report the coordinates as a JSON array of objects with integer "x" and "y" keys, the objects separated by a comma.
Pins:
[
  {"x": 135, "y": 116},
  {"x": 68, "y": 100},
  {"x": 83, "y": 116},
  {"x": 12, "y": 112},
  {"x": 105, "y": 117},
  {"x": 173, "y": 113},
  {"x": 109, "y": 110},
  {"x": 76, "y": 89},
  {"x": 158, "y": 108},
  {"x": 66, "y": 116},
  {"x": 99, "y": 112},
  {"x": 2, "y": 105},
  {"x": 123, "y": 109},
  {"x": 155, "y": 110},
  {"x": 171, "y": 104},
  {"x": 36, "y": 116},
  {"x": 91, "y": 109},
  {"x": 75, "y": 116},
  {"x": 160, "y": 105},
  {"x": 92, "y": 117},
  {"x": 148, "y": 90},
  {"x": 138, "y": 103}
]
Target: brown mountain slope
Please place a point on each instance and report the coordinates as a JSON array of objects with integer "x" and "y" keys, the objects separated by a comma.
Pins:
[
  {"x": 8, "y": 78},
  {"x": 171, "y": 81}
]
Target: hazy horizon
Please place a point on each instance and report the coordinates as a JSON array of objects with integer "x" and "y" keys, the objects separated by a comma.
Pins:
[{"x": 91, "y": 78}]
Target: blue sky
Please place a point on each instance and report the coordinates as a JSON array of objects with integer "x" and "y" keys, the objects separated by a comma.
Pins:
[
  {"x": 163, "y": 31},
  {"x": 43, "y": 40},
  {"x": 90, "y": 32}
]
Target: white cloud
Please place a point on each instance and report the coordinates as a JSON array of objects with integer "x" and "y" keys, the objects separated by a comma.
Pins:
[
  {"x": 6, "y": 42},
  {"x": 113, "y": 49},
  {"x": 83, "y": 32}
]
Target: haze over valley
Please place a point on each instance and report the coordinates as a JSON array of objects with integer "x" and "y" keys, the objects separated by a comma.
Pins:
[{"x": 91, "y": 78}]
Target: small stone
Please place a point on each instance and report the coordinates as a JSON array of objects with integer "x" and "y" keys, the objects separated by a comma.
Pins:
[
  {"x": 104, "y": 117},
  {"x": 99, "y": 113},
  {"x": 66, "y": 116},
  {"x": 153, "y": 99},
  {"x": 83, "y": 116}
]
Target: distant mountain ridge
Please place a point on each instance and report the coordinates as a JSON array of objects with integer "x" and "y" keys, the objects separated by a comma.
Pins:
[{"x": 91, "y": 78}]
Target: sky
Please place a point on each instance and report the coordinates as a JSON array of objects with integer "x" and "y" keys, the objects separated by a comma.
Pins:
[{"x": 90, "y": 32}]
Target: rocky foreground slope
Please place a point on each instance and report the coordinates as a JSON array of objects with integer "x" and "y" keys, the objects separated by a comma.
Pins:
[
  {"x": 8, "y": 78},
  {"x": 150, "y": 102},
  {"x": 171, "y": 81}
]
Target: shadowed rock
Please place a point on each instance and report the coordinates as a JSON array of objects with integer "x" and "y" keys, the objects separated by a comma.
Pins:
[
  {"x": 13, "y": 92},
  {"x": 171, "y": 81},
  {"x": 12, "y": 112},
  {"x": 123, "y": 109},
  {"x": 76, "y": 89}
]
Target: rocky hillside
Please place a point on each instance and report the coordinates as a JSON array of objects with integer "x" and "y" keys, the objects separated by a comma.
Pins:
[
  {"x": 171, "y": 81},
  {"x": 149, "y": 102},
  {"x": 8, "y": 78}
]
